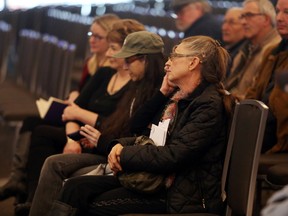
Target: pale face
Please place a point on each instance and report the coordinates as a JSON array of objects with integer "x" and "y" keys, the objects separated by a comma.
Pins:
[
  {"x": 97, "y": 41},
  {"x": 282, "y": 18},
  {"x": 255, "y": 23},
  {"x": 178, "y": 68},
  {"x": 232, "y": 28},
  {"x": 115, "y": 63},
  {"x": 136, "y": 67},
  {"x": 186, "y": 16}
]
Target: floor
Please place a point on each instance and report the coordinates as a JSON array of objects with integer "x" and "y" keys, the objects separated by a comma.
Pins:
[{"x": 6, "y": 149}]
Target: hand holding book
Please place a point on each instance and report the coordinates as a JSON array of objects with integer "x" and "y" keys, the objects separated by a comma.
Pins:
[
  {"x": 70, "y": 112},
  {"x": 52, "y": 109}
]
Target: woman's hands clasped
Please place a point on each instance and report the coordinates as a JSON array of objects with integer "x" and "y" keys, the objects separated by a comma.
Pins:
[{"x": 114, "y": 158}]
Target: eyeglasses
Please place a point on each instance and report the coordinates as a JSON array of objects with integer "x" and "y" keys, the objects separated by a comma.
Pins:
[
  {"x": 249, "y": 15},
  {"x": 95, "y": 36},
  {"x": 131, "y": 59},
  {"x": 231, "y": 22},
  {"x": 174, "y": 55}
]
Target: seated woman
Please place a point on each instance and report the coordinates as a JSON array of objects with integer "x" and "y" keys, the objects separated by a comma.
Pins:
[
  {"x": 146, "y": 69},
  {"x": 100, "y": 27},
  {"x": 192, "y": 155},
  {"x": 98, "y": 100}
]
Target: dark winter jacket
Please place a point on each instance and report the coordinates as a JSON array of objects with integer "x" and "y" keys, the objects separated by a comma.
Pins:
[{"x": 194, "y": 151}]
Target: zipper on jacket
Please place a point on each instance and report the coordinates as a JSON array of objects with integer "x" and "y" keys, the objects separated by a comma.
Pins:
[
  {"x": 203, "y": 203},
  {"x": 201, "y": 191}
]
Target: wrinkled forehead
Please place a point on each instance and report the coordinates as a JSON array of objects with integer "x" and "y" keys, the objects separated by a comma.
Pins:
[
  {"x": 251, "y": 7},
  {"x": 233, "y": 14}
]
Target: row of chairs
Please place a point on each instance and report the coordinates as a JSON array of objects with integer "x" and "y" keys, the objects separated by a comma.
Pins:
[
  {"x": 44, "y": 64},
  {"x": 42, "y": 69},
  {"x": 5, "y": 38}
]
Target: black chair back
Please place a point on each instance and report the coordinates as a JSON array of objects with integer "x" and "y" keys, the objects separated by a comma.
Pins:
[
  {"x": 247, "y": 131},
  {"x": 242, "y": 158}
]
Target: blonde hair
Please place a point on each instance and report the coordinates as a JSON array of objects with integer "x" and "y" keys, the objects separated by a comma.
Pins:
[
  {"x": 106, "y": 22},
  {"x": 214, "y": 58}
]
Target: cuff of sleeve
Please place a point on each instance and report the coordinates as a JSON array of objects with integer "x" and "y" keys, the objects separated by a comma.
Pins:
[{"x": 98, "y": 123}]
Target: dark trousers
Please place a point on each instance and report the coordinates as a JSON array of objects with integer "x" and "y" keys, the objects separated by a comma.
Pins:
[
  {"x": 104, "y": 195},
  {"x": 45, "y": 141}
]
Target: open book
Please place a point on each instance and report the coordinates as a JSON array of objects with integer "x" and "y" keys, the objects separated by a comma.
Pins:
[{"x": 51, "y": 110}]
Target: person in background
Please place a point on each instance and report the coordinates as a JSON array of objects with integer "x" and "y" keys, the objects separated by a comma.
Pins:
[
  {"x": 232, "y": 33},
  {"x": 96, "y": 102},
  {"x": 259, "y": 20},
  {"x": 194, "y": 17},
  {"x": 275, "y": 62},
  {"x": 193, "y": 159},
  {"x": 16, "y": 184},
  {"x": 98, "y": 45}
]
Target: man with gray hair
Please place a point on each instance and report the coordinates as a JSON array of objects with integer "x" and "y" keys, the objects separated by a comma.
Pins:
[
  {"x": 258, "y": 19},
  {"x": 233, "y": 34},
  {"x": 194, "y": 18},
  {"x": 266, "y": 89}
]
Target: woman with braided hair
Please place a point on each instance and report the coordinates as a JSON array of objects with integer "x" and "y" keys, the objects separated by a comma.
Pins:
[{"x": 193, "y": 98}]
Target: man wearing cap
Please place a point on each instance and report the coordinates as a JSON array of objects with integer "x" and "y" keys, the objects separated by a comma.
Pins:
[{"x": 194, "y": 18}]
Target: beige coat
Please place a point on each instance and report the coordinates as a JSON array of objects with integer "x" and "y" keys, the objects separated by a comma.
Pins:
[
  {"x": 278, "y": 100},
  {"x": 246, "y": 64}
]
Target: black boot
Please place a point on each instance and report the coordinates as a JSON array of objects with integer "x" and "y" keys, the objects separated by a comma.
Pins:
[
  {"x": 16, "y": 185},
  {"x": 22, "y": 209},
  {"x": 62, "y": 209},
  {"x": 13, "y": 188}
]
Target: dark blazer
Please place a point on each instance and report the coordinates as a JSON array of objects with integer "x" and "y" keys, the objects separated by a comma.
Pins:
[{"x": 207, "y": 25}]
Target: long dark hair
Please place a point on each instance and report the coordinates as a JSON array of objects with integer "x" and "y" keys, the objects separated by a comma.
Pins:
[{"x": 118, "y": 124}]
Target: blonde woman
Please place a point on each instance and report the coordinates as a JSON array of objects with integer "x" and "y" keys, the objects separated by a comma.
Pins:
[{"x": 98, "y": 45}]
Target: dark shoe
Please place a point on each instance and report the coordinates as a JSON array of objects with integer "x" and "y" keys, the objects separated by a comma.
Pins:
[
  {"x": 61, "y": 209},
  {"x": 12, "y": 188},
  {"x": 22, "y": 209}
]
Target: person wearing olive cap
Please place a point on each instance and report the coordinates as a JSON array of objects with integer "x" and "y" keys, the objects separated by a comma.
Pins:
[
  {"x": 139, "y": 47},
  {"x": 194, "y": 17},
  {"x": 192, "y": 108},
  {"x": 145, "y": 64}
]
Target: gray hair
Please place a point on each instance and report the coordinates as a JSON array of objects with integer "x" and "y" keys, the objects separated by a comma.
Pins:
[
  {"x": 214, "y": 58},
  {"x": 266, "y": 7}
]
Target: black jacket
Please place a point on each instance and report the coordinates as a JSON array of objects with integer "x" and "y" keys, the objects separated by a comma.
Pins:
[
  {"x": 194, "y": 151},
  {"x": 207, "y": 25}
]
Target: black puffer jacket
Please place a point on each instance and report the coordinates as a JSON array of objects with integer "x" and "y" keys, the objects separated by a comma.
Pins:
[{"x": 194, "y": 151}]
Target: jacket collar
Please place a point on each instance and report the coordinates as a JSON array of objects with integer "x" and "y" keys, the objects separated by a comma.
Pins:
[{"x": 198, "y": 91}]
